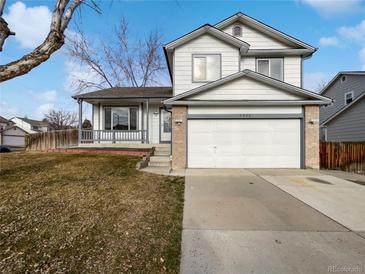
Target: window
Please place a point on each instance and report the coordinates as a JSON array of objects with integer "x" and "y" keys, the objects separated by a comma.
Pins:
[
  {"x": 271, "y": 67},
  {"x": 206, "y": 67},
  {"x": 349, "y": 97},
  {"x": 237, "y": 31},
  {"x": 343, "y": 78},
  {"x": 120, "y": 118}
]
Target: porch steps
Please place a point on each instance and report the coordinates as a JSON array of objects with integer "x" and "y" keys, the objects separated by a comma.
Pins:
[
  {"x": 162, "y": 151},
  {"x": 158, "y": 170},
  {"x": 160, "y": 161}
]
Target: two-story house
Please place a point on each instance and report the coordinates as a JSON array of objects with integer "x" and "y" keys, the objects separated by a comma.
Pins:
[
  {"x": 30, "y": 125},
  {"x": 236, "y": 101},
  {"x": 344, "y": 119}
]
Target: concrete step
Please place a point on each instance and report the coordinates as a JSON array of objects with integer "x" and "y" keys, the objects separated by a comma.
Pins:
[
  {"x": 165, "y": 149},
  {"x": 158, "y": 170},
  {"x": 160, "y": 159},
  {"x": 162, "y": 153},
  {"x": 159, "y": 164}
]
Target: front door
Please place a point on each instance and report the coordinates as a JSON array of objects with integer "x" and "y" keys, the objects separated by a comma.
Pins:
[{"x": 165, "y": 126}]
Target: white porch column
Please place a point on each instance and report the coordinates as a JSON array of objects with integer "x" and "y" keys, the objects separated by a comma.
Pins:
[
  {"x": 147, "y": 122},
  {"x": 80, "y": 119}
]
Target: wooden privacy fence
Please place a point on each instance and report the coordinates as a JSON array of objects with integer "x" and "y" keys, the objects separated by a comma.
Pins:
[
  {"x": 347, "y": 156},
  {"x": 52, "y": 139}
]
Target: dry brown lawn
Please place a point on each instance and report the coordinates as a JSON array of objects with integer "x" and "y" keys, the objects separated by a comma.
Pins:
[{"x": 87, "y": 213}]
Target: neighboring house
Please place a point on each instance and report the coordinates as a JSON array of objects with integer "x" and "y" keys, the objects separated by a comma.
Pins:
[
  {"x": 236, "y": 101},
  {"x": 14, "y": 134},
  {"x": 30, "y": 125},
  {"x": 5, "y": 123},
  {"x": 344, "y": 119},
  {"x": 13, "y": 137}
]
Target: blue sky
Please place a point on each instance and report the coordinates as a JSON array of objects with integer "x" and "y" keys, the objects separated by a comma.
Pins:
[{"x": 337, "y": 28}]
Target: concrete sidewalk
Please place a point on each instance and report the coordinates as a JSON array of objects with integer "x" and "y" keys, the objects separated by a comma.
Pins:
[
  {"x": 236, "y": 222},
  {"x": 341, "y": 200}
]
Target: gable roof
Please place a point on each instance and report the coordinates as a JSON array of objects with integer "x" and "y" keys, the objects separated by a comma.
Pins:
[
  {"x": 127, "y": 92},
  {"x": 4, "y": 120},
  {"x": 34, "y": 122},
  {"x": 255, "y": 76},
  {"x": 16, "y": 127},
  {"x": 334, "y": 79},
  {"x": 208, "y": 29},
  {"x": 342, "y": 110},
  {"x": 205, "y": 29},
  {"x": 270, "y": 31}
]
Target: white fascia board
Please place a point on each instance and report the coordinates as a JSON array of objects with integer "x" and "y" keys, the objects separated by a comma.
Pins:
[
  {"x": 246, "y": 103},
  {"x": 208, "y": 29},
  {"x": 256, "y": 76}
]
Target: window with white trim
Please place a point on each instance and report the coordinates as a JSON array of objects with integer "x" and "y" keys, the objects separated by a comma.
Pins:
[
  {"x": 349, "y": 97},
  {"x": 206, "y": 67},
  {"x": 272, "y": 67},
  {"x": 120, "y": 118}
]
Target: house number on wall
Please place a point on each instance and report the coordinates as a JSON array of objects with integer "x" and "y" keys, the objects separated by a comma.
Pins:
[{"x": 245, "y": 115}]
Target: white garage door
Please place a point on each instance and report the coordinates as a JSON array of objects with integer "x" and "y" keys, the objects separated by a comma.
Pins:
[
  {"x": 244, "y": 143},
  {"x": 16, "y": 141}
]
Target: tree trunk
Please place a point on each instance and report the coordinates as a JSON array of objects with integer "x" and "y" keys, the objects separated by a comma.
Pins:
[{"x": 52, "y": 43}]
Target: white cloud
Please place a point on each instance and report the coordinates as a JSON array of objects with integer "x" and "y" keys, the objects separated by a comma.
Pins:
[
  {"x": 329, "y": 41},
  {"x": 314, "y": 81},
  {"x": 331, "y": 7},
  {"x": 47, "y": 96},
  {"x": 31, "y": 24},
  {"x": 76, "y": 71},
  {"x": 43, "y": 109},
  {"x": 7, "y": 111},
  {"x": 356, "y": 33}
]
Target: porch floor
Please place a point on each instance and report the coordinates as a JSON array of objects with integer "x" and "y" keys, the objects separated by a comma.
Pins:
[{"x": 120, "y": 146}]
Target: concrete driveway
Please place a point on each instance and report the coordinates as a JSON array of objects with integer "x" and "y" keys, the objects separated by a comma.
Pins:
[{"x": 235, "y": 221}]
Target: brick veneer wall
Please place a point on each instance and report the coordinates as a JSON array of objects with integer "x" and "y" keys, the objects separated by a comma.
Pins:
[
  {"x": 179, "y": 132},
  {"x": 311, "y": 131}
]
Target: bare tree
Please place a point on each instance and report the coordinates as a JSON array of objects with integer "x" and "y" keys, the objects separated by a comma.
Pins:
[
  {"x": 321, "y": 85},
  {"x": 55, "y": 39},
  {"x": 61, "y": 119},
  {"x": 118, "y": 61}
]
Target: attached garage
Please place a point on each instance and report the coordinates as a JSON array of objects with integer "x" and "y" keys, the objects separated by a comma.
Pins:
[
  {"x": 247, "y": 143},
  {"x": 246, "y": 120}
]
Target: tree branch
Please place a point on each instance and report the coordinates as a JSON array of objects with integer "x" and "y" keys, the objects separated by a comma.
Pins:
[{"x": 53, "y": 42}]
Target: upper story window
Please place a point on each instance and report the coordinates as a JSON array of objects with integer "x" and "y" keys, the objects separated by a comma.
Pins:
[
  {"x": 237, "y": 31},
  {"x": 206, "y": 67},
  {"x": 349, "y": 97},
  {"x": 343, "y": 78},
  {"x": 272, "y": 67}
]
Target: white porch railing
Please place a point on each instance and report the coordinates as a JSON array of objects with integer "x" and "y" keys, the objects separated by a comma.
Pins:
[{"x": 112, "y": 136}]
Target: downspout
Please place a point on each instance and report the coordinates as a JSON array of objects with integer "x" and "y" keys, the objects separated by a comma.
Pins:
[
  {"x": 148, "y": 122},
  {"x": 165, "y": 108}
]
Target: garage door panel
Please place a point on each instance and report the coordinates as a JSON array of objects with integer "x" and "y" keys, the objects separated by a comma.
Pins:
[
  {"x": 16, "y": 141},
  {"x": 244, "y": 143}
]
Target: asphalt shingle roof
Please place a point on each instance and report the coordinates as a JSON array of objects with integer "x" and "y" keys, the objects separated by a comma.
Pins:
[{"x": 127, "y": 92}]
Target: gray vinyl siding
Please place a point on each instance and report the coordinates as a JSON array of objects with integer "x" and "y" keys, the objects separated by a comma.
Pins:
[
  {"x": 337, "y": 90},
  {"x": 349, "y": 126}
]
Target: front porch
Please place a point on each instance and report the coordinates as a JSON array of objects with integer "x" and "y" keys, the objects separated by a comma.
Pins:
[
  {"x": 122, "y": 116},
  {"x": 92, "y": 136}
]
